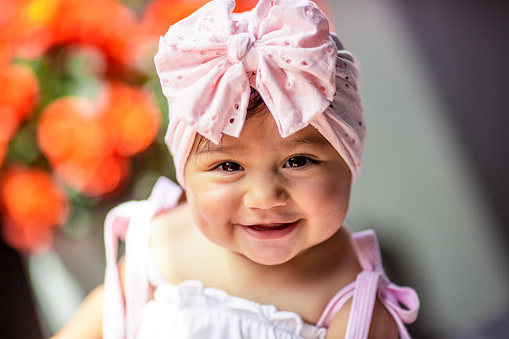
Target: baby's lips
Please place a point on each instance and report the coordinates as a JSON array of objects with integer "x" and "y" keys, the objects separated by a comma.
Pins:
[{"x": 269, "y": 226}]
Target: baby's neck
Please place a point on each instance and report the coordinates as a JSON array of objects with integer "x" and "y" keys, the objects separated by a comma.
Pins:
[
  {"x": 303, "y": 285},
  {"x": 324, "y": 262}
]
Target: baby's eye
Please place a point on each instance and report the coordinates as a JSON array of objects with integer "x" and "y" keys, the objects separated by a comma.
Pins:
[
  {"x": 297, "y": 161},
  {"x": 230, "y": 167}
]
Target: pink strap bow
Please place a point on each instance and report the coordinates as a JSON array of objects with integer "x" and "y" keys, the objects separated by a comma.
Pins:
[
  {"x": 372, "y": 283},
  {"x": 208, "y": 61},
  {"x": 401, "y": 302}
]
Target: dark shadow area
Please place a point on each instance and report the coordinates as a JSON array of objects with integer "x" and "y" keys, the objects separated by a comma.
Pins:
[
  {"x": 464, "y": 44},
  {"x": 400, "y": 273},
  {"x": 496, "y": 328},
  {"x": 18, "y": 313}
]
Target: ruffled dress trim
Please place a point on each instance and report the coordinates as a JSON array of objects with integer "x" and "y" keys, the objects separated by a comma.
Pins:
[{"x": 193, "y": 299}]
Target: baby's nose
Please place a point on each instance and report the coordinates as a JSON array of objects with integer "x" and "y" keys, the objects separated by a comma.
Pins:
[{"x": 265, "y": 192}]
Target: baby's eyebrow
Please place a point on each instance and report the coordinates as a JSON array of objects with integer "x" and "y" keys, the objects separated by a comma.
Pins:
[
  {"x": 209, "y": 147},
  {"x": 313, "y": 140}
]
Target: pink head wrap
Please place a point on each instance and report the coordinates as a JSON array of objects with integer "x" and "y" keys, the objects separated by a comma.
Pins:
[{"x": 208, "y": 62}]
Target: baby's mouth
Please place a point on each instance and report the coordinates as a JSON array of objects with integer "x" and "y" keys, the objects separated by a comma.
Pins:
[
  {"x": 270, "y": 227},
  {"x": 271, "y": 230}
]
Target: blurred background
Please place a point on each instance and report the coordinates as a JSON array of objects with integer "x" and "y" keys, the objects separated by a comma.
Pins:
[{"x": 82, "y": 120}]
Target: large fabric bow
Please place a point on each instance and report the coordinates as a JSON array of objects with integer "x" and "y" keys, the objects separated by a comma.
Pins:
[{"x": 208, "y": 61}]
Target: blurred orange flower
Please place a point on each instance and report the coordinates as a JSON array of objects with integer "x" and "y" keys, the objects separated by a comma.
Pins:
[
  {"x": 3, "y": 151},
  {"x": 15, "y": 26},
  {"x": 87, "y": 143},
  {"x": 18, "y": 96},
  {"x": 99, "y": 177},
  {"x": 69, "y": 129},
  {"x": 73, "y": 138},
  {"x": 29, "y": 28},
  {"x": 32, "y": 206},
  {"x": 132, "y": 118},
  {"x": 106, "y": 24}
]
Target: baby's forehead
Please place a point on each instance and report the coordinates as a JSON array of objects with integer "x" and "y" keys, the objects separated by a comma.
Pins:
[{"x": 261, "y": 132}]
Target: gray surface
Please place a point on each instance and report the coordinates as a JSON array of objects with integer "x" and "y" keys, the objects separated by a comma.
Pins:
[{"x": 416, "y": 187}]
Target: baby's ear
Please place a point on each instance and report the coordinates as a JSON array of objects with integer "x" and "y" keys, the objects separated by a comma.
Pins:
[{"x": 183, "y": 197}]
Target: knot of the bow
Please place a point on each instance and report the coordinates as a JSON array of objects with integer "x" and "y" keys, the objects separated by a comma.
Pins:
[
  {"x": 240, "y": 50},
  {"x": 403, "y": 301}
]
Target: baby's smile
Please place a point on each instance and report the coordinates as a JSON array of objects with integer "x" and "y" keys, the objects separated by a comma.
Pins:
[{"x": 270, "y": 231}]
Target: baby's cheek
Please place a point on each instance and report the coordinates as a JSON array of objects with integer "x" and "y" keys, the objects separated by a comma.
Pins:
[
  {"x": 330, "y": 198},
  {"x": 323, "y": 199},
  {"x": 214, "y": 203}
]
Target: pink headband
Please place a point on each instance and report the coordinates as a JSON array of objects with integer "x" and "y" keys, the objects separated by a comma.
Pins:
[{"x": 283, "y": 48}]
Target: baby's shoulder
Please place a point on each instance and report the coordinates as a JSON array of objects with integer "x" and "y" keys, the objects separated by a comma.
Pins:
[
  {"x": 382, "y": 324},
  {"x": 169, "y": 233},
  {"x": 170, "y": 225},
  {"x": 175, "y": 244}
]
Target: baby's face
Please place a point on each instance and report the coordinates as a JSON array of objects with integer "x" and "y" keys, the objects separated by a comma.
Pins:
[{"x": 265, "y": 197}]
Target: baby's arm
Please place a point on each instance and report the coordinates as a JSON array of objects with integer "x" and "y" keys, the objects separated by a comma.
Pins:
[
  {"x": 382, "y": 325},
  {"x": 86, "y": 323}
]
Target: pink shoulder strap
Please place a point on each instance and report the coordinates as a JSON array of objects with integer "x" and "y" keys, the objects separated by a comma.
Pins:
[
  {"x": 370, "y": 283},
  {"x": 130, "y": 222}
]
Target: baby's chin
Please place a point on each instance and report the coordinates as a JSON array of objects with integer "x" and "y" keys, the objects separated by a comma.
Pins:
[{"x": 274, "y": 258}]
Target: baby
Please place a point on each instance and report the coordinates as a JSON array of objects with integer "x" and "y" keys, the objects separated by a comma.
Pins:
[{"x": 266, "y": 133}]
